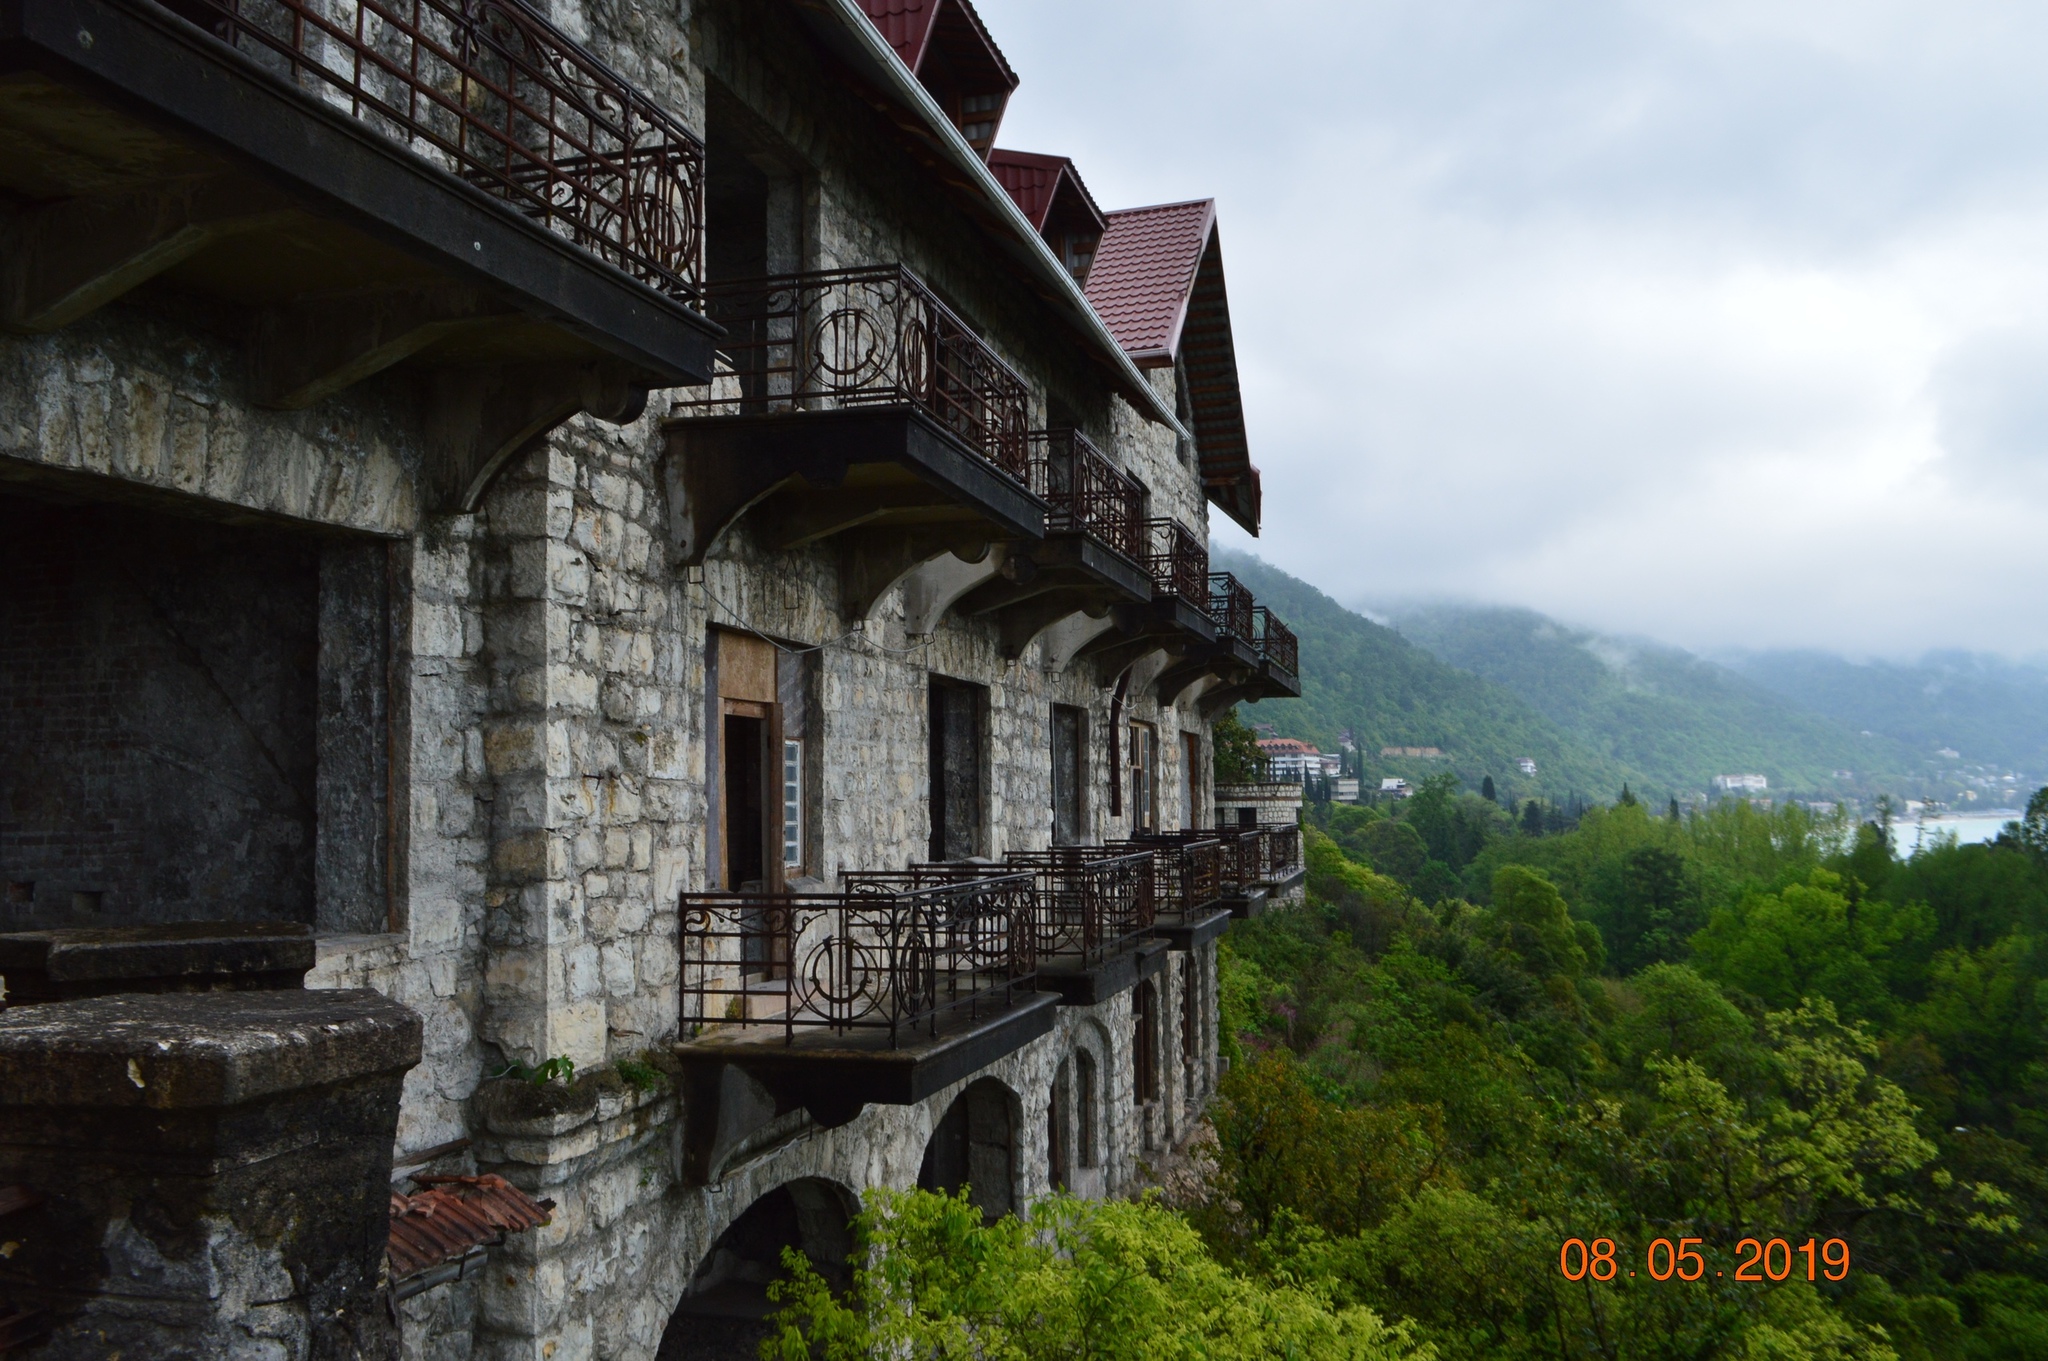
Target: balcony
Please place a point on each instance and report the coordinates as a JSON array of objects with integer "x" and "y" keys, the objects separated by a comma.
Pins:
[
  {"x": 1279, "y": 656},
  {"x": 1250, "y": 864},
  {"x": 851, "y": 401},
  {"x": 1092, "y": 557},
  {"x": 1176, "y": 618},
  {"x": 1187, "y": 887},
  {"x": 453, "y": 187},
  {"x": 1231, "y": 657},
  {"x": 1092, "y": 912},
  {"x": 886, "y": 992}
]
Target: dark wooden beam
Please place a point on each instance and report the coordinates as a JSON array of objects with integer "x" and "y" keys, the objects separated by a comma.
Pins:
[
  {"x": 62, "y": 261},
  {"x": 304, "y": 353}
]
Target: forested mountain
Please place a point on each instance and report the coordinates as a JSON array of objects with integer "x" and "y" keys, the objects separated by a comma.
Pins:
[
  {"x": 1674, "y": 718},
  {"x": 1992, "y": 711},
  {"x": 1366, "y": 678}
]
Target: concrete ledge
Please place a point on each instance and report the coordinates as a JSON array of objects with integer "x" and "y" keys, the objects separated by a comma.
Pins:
[
  {"x": 834, "y": 1075},
  {"x": 1250, "y": 903},
  {"x": 69, "y": 963},
  {"x": 172, "y": 1051},
  {"x": 1085, "y": 987},
  {"x": 1195, "y": 929}
]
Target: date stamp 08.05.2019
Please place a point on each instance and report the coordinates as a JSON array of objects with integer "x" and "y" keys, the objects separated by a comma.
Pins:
[{"x": 1771, "y": 1259}]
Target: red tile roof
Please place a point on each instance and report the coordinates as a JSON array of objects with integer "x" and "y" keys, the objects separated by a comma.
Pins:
[
  {"x": 453, "y": 1216},
  {"x": 1035, "y": 181},
  {"x": 1158, "y": 285},
  {"x": 1144, "y": 272},
  {"x": 908, "y": 26}
]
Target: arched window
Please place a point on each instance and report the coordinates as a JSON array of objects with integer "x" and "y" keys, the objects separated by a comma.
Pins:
[{"x": 974, "y": 1146}]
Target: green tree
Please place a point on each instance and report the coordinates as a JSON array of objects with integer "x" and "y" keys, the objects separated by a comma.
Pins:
[
  {"x": 1237, "y": 759},
  {"x": 1104, "y": 1281}
]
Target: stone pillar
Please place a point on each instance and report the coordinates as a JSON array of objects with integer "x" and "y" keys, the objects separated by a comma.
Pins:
[{"x": 213, "y": 1172}]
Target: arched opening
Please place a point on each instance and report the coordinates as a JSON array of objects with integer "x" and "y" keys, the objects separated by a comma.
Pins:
[
  {"x": 974, "y": 1146},
  {"x": 723, "y": 1312}
]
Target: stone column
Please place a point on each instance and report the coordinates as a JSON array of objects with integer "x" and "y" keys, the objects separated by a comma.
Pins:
[{"x": 212, "y": 1172}]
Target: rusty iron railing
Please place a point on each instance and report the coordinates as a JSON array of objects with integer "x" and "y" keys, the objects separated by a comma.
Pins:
[
  {"x": 1086, "y": 492},
  {"x": 1093, "y": 901},
  {"x": 1230, "y": 606},
  {"x": 889, "y": 957},
  {"x": 1277, "y": 645},
  {"x": 1178, "y": 562},
  {"x": 1282, "y": 852},
  {"x": 1187, "y": 873},
  {"x": 494, "y": 93},
  {"x": 866, "y": 337},
  {"x": 1089, "y": 902}
]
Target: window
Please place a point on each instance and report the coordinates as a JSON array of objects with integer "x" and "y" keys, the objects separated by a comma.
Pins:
[
  {"x": 1190, "y": 779},
  {"x": 1056, "y": 1135},
  {"x": 1069, "y": 768},
  {"x": 1190, "y": 1029},
  {"x": 1085, "y": 1109},
  {"x": 957, "y": 798},
  {"x": 793, "y": 806},
  {"x": 1144, "y": 777},
  {"x": 1145, "y": 1043}
]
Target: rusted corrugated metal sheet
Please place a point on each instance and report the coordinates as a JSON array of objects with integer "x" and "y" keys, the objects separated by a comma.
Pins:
[{"x": 453, "y": 1216}]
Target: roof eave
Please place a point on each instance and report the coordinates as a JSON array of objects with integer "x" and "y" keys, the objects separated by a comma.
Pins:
[{"x": 861, "y": 45}]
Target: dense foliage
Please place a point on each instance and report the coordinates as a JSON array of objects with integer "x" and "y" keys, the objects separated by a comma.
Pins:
[
  {"x": 1475, "y": 1042},
  {"x": 1730, "y": 1025},
  {"x": 1071, "y": 1281}
]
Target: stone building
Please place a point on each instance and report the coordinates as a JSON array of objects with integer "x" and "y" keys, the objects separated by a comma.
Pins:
[{"x": 654, "y": 541}]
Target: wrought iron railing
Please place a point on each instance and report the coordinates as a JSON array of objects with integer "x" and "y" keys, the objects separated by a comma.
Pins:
[
  {"x": 1230, "y": 606},
  {"x": 1283, "y": 851},
  {"x": 1178, "y": 562},
  {"x": 859, "y": 338},
  {"x": 493, "y": 92},
  {"x": 1187, "y": 873},
  {"x": 1088, "y": 902},
  {"x": 893, "y": 958},
  {"x": 1086, "y": 492},
  {"x": 1093, "y": 901},
  {"x": 1277, "y": 645}
]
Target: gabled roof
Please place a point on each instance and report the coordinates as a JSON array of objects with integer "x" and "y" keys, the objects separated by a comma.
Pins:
[
  {"x": 910, "y": 24},
  {"x": 1158, "y": 285},
  {"x": 1038, "y": 183},
  {"x": 848, "y": 33}
]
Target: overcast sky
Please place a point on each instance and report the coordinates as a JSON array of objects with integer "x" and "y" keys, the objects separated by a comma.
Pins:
[{"x": 1722, "y": 323}]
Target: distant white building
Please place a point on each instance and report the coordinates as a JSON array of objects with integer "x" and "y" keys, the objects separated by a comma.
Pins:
[
  {"x": 1345, "y": 789},
  {"x": 1741, "y": 784},
  {"x": 1289, "y": 758},
  {"x": 1398, "y": 788},
  {"x": 1526, "y": 766}
]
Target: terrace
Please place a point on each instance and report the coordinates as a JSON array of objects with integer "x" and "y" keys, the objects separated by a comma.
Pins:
[
  {"x": 852, "y": 402},
  {"x": 449, "y": 188}
]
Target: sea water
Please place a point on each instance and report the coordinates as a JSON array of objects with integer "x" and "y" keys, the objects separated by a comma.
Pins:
[{"x": 1966, "y": 827}]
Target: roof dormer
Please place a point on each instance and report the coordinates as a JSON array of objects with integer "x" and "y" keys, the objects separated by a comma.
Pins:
[
  {"x": 1049, "y": 191},
  {"x": 946, "y": 46}
]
